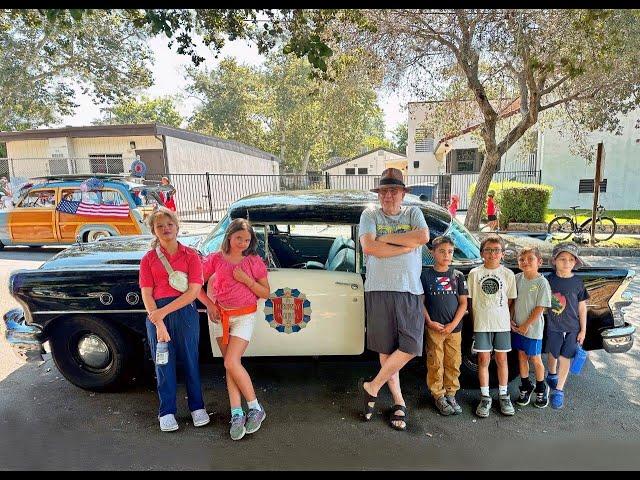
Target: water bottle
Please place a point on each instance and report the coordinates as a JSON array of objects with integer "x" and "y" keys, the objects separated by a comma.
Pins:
[
  {"x": 578, "y": 360},
  {"x": 162, "y": 353}
]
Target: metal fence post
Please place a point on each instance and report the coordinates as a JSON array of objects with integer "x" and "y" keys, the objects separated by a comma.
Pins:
[
  {"x": 327, "y": 181},
  {"x": 209, "y": 197}
]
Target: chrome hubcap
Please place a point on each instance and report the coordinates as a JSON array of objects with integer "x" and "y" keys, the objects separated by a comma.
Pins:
[{"x": 93, "y": 351}]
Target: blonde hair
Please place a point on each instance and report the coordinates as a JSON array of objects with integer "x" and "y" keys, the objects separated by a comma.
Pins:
[{"x": 151, "y": 220}]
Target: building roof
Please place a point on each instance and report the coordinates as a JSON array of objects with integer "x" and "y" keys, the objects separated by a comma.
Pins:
[
  {"x": 335, "y": 161},
  {"x": 136, "y": 130}
]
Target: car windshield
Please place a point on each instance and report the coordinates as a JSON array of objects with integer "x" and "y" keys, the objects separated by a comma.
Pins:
[
  {"x": 467, "y": 246},
  {"x": 213, "y": 241}
]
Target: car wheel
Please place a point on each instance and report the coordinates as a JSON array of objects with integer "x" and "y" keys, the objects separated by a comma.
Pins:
[
  {"x": 92, "y": 354},
  {"x": 469, "y": 365},
  {"x": 94, "y": 235}
]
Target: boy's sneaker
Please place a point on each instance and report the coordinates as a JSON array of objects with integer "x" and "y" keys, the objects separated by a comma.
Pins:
[
  {"x": 552, "y": 381},
  {"x": 557, "y": 399},
  {"x": 254, "y": 419},
  {"x": 451, "y": 400},
  {"x": 542, "y": 398},
  {"x": 525, "y": 395},
  {"x": 443, "y": 406},
  {"x": 506, "y": 408},
  {"x": 168, "y": 422},
  {"x": 200, "y": 417},
  {"x": 484, "y": 407},
  {"x": 237, "y": 429}
]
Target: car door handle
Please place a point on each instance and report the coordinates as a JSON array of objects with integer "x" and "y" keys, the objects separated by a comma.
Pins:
[{"x": 354, "y": 286}]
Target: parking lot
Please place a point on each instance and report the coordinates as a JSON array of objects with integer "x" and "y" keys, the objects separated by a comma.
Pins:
[{"x": 313, "y": 421}]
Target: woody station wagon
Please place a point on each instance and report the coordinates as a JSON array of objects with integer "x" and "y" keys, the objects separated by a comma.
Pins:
[
  {"x": 56, "y": 210},
  {"x": 95, "y": 324}
]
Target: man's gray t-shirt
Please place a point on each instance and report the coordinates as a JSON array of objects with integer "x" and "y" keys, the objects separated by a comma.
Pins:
[
  {"x": 531, "y": 294},
  {"x": 402, "y": 272}
]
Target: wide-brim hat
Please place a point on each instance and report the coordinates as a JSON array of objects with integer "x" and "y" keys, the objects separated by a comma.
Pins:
[
  {"x": 568, "y": 247},
  {"x": 391, "y": 177}
]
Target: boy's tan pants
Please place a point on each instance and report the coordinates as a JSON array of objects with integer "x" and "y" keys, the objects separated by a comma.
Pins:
[{"x": 444, "y": 356}]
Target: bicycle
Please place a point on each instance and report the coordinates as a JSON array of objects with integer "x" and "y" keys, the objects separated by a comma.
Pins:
[{"x": 563, "y": 226}]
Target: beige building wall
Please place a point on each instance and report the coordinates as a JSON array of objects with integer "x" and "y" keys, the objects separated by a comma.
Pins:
[{"x": 250, "y": 175}]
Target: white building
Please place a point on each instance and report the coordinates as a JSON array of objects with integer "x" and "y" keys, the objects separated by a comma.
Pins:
[
  {"x": 360, "y": 171},
  {"x": 572, "y": 176},
  {"x": 182, "y": 155}
]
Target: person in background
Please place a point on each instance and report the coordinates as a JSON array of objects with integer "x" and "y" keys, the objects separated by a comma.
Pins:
[
  {"x": 168, "y": 196},
  {"x": 453, "y": 205},
  {"x": 492, "y": 210}
]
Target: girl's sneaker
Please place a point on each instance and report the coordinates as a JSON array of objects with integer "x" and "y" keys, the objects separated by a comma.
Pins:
[
  {"x": 254, "y": 419},
  {"x": 237, "y": 429},
  {"x": 168, "y": 423}
]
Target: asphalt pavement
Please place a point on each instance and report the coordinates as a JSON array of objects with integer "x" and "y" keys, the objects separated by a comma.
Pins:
[{"x": 313, "y": 417}]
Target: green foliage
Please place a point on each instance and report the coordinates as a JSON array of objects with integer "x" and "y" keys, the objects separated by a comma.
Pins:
[
  {"x": 400, "y": 137},
  {"x": 45, "y": 54},
  {"x": 283, "y": 109},
  {"x": 146, "y": 110},
  {"x": 518, "y": 202}
]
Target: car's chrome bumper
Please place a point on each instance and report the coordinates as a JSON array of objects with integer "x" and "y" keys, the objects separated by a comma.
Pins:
[
  {"x": 618, "y": 339},
  {"x": 25, "y": 339}
]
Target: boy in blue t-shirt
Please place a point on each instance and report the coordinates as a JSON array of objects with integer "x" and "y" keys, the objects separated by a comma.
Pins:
[{"x": 567, "y": 318}]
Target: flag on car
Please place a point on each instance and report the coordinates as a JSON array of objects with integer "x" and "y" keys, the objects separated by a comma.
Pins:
[{"x": 92, "y": 210}]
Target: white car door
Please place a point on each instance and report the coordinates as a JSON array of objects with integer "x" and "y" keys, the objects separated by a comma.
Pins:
[{"x": 310, "y": 312}]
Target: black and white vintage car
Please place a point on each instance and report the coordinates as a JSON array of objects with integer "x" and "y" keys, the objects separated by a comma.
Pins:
[{"x": 86, "y": 302}]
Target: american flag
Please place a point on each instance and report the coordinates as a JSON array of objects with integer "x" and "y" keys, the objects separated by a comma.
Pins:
[
  {"x": 444, "y": 284},
  {"x": 92, "y": 210}
]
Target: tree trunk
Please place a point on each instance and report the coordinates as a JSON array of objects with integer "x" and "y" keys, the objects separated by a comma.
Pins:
[
  {"x": 305, "y": 162},
  {"x": 474, "y": 212}
]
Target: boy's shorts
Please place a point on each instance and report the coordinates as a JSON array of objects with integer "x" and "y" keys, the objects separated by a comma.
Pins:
[
  {"x": 394, "y": 322},
  {"x": 530, "y": 346},
  {"x": 240, "y": 326},
  {"x": 490, "y": 341},
  {"x": 492, "y": 217},
  {"x": 562, "y": 343}
]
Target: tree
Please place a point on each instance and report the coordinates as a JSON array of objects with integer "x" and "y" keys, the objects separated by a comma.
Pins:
[
  {"x": 43, "y": 56},
  {"x": 584, "y": 62},
  {"x": 400, "y": 137},
  {"x": 146, "y": 110},
  {"x": 284, "y": 109}
]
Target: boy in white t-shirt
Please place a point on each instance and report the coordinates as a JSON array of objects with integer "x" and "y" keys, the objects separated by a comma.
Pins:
[{"x": 492, "y": 288}]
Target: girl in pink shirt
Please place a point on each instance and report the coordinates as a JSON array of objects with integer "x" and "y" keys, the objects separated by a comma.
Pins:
[
  {"x": 239, "y": 280},
  {"x": 172, "y": 317}
]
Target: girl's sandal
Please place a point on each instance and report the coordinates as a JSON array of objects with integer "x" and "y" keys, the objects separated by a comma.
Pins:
[
  {"x": 394, "y": 418},
  {"x": 370, "y": 404}
]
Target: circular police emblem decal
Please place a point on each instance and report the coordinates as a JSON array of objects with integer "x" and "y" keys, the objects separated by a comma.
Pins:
[
  {"x": 132, "y": 298},
  {"x": 490, "y": 286},
  {"x": 287, "y": 310}
]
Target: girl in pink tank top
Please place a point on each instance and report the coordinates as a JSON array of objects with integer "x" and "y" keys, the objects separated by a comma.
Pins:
[{"x": 239, "y": 280}]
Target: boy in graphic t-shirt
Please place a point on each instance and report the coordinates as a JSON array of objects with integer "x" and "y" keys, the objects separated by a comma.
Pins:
[
  {"x": 445, "y": 300},
  {"x": 492, "y": 288},
  {"x": 567, "y": 318}
]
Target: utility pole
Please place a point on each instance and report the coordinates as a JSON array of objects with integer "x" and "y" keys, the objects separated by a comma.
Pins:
[{"x": 596, "y": 191}]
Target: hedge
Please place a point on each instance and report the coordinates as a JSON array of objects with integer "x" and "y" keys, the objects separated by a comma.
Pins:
[{"x": 518, "y": 202}]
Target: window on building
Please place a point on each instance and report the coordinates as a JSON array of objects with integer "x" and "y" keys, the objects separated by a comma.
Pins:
[
  {"x": 350, "y": 171},
  {"x": 586, "y": 185},
  {"x": 466, "y": 159},
  {"x": 58, "y": 164},
  {"x": 416, "y": 164},
  {"x": 106, "y": 163},
  {"x": 363, "y": 171},
  {"x": 424, "y": 140}
]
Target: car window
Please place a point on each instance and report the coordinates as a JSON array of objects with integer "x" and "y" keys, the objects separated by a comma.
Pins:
[
  {"x": 319, "y": 230},
  {"x": 42, "y": 198},
  {"x": 213, "y": 241},
  {"x": 467, "y": 247}
]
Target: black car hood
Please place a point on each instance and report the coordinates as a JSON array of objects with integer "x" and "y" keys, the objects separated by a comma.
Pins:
[{"x": 112, "y": 252}]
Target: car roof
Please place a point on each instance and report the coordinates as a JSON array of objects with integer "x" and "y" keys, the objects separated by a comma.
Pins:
[{"x": 325, "y": 206}]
